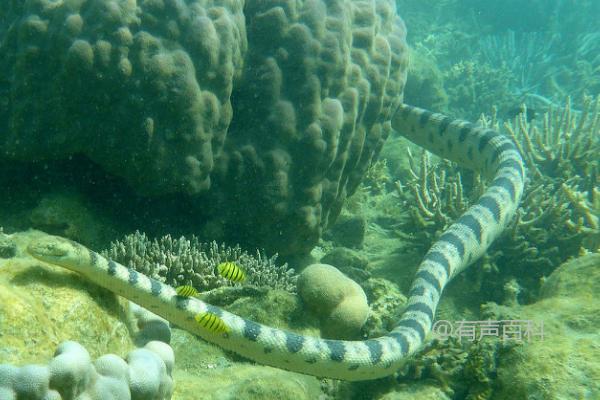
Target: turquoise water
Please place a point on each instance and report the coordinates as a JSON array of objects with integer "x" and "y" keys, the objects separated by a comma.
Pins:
[{"x": 173, "y": 136}]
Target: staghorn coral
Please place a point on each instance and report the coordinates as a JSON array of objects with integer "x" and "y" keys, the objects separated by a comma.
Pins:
[
  {"x": 558, "y": 219},
  {"x": 435, "y": 195},
  {"x": 560, "y": 207},
  {"x": 566, "y": 144},
  {"x": 562, "y": 153},
  {"x": 188, "y": 261},
  {"x": 588, "y": 221},
  {"x": 272, "y": 112}
]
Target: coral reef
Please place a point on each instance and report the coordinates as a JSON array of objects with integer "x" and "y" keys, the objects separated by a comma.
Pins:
[
  {"x": 267, "y": 114},
  {"x": 123, "y": 86},
  {"x": 339, "y": 302},
  {"x": 377, "y": 179},
  {"x": 554, "y": 355},
  {"x": 551, "y": 48},
  {"x": 325, "y": 81},
  {"x": 386, "y": 303},
  {"x": 184, "y": 261},
  {"x": 425, "y": 88},
  {"x": 560, "y": 207},
  {"x": 527, "y": 57},
  {"x": 145, "y": 374},
  {"x": 473, "y": 87},
  {"x": 43, "y": 307},
  {"x": 350, "y": 262},
  {"x": 68, "y": 214},
  {"x": 435, "y": 195},
  {"x": 561, "y": 361},
  {"x": 348, "y": 231},
  {"x": 559, "y": 214},
  {"x": 565, "y": 145},
  {"x": 505, "y": 53},
  {"x": 461, "y": 369}
]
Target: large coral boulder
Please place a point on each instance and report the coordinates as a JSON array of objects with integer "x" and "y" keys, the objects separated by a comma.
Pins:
[{"x": 271, "y": 110}]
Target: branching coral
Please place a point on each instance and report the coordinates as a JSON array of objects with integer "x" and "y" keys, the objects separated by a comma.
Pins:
[
  {"x": 567, "y": 143},
  {"x": 377, "y": 176},
  {"x": 188, "y": 261},
  {"x": 462, "y": 369},
  {"x": 528, "y": 56},
  {"x": 544, "y": 64},
  {"x": 559, "y": 214},
  {"x": 437, "y": 194},
  {"x": 563, "y": 153}
]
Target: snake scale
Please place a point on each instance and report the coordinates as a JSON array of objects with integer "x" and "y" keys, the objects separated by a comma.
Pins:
[{"x": 485, "y": 150}]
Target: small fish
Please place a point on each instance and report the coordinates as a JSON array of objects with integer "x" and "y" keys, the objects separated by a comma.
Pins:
[
  {"x": 230, "y": 271},
  {"x": 186, "y": 291},
  {"x": 211, "y": 322}
]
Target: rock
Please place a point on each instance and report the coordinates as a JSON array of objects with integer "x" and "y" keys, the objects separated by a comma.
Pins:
[
  {"x": 43, "y": 305},
  {"x": 564, "y": 363},
  {"x": 349, "y": 231},
  {"x": 417, "y": 391},
  {"x": 387, "y": 304},
  {"x": 204, "y": 371},
  {"x": 8, "y": 249},
  {"x": 349, "y": 262},
  {"x": 579, "y": 277}
]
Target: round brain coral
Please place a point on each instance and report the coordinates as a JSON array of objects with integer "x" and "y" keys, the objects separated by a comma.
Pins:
[
  {"x": 339, "y": 302},
  {"x": 272, "y": 111}
]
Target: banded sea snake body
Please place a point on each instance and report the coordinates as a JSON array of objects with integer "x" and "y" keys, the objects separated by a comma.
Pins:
[{"x": 462, "y": 243}]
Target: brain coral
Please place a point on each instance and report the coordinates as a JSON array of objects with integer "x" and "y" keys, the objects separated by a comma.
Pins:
[{"x": 278, "y": 103}]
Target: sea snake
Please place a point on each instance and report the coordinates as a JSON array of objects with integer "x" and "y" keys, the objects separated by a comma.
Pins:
[{"x": 470, "y": 145}]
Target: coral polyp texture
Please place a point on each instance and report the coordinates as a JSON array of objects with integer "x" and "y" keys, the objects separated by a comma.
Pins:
[
  {"x": 133, "y": 87},
  {"x": 259, "y": 102},
  {"x": 71, "y": 374}
]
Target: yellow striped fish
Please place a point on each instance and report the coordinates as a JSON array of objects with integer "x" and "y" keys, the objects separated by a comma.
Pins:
[
  {"x": 230, "y": 271},
  {"x": 186, "y": 291},
  {"x": 211, "y": 322}
]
